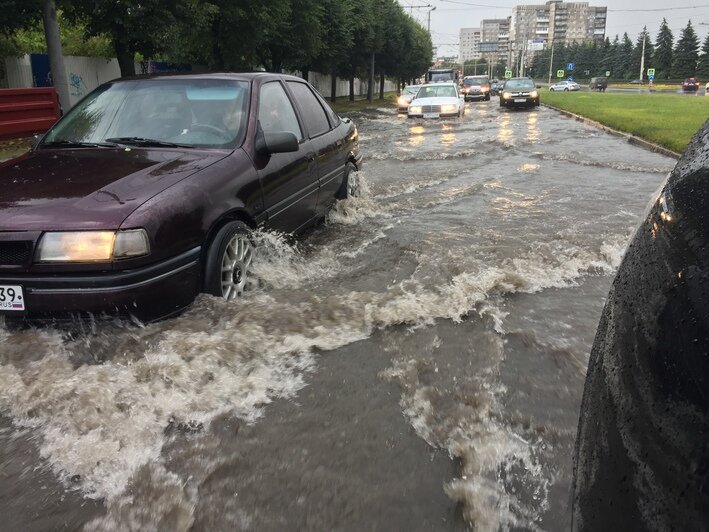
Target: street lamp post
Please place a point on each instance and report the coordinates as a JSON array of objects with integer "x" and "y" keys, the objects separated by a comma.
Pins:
[{"x": 429, "y": 19}]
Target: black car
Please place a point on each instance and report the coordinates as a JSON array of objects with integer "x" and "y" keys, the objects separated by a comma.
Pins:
[
  {"x": 642, "y": 450},
  {"x": 144, "y": 194},
  {"x": 690, "y": 85},
  {"x": 599, "y": 84},
  {"x": 519, "y": 92}
]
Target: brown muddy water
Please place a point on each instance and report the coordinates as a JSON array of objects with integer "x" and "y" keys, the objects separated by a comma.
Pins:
[{"x": 415, "y": 363}]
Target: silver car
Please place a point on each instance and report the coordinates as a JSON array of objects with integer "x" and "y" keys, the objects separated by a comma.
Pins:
[
  {"x": 565, "y": 86},
  {"x": 408, "y": 94}
]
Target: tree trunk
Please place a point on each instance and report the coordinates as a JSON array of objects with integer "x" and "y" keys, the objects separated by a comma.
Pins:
[
  {"x": 381, "y": 86},
  {"x": 370, "y": 85},
  {"x": 124, "y": 53},
  {"x": 126, "y": 61},
  {"x": 333, "y": 85},
  {"x": 56, "y": 59},
  {"x": 305, "y": 72},
  {"x": 352, "y": 94}
]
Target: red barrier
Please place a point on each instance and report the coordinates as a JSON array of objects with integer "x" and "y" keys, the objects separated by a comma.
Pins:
[{"x": 24, "y": 112}]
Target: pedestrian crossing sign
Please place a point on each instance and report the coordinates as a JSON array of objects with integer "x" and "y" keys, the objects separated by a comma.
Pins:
[
  {"x": 559, "y": 73},
  {"x": 650, "y": 72},
  {"x": 508, "y": 74}
]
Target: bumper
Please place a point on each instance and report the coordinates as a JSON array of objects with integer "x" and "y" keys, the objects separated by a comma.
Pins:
[
  {"x": 477, "y": 96},
  {"x": 151, "y": 292},
  {"x": 529, "y": 102},
  {"x": 440, "y": 115}
]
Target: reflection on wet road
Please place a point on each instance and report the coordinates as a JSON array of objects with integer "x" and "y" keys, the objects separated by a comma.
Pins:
[{"x": 446, "y": 314}]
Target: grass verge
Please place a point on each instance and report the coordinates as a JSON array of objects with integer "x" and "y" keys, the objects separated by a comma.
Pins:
[
  {"x": 343, "y": 104},
  {"x": 669, "y": 120},
  {"x": 13, "y": 148}
]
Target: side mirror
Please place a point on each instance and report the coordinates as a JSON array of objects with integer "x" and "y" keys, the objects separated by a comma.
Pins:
[
  {"x": 36, "y": 139},
  {"x": 278, "y": 142},
  {"x": 538, "y": 86}
]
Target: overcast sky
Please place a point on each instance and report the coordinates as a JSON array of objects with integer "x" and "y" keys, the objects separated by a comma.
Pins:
[{"x": 451, "y": 15}]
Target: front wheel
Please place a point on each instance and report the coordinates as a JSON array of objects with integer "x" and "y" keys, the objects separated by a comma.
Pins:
[
  {"x": 350, "y": 183},
  {"x": 228, "y": 261},
  {"x": 566, "y": 90}
]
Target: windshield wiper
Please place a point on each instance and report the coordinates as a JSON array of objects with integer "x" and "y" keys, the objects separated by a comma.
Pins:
[
  {"x": 73, "y": 144},
  {"x": 140, "y": 141}
]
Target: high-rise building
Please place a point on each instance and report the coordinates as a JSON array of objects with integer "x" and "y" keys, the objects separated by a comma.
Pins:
[
  {"x": 495, "y": 39},
  {"x": 469, "y": 44},
  {"x": 556, "y": 22}
]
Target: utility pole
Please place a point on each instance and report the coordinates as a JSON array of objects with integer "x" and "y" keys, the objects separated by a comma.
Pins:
[
  {"x": 54, "y": 50},
  {"x": 642, "y": 57},
  {"x": 429, "y": 19},
  {"x": 551, "y": 62}
]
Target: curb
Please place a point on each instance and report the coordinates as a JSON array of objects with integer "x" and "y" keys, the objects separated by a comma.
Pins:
[{"x": 632, "y": 139}]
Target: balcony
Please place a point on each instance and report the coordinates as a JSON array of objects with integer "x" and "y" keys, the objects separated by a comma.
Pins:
[
  {"x": 543, "y": 32},
  {"x": 599, "y": 31}
]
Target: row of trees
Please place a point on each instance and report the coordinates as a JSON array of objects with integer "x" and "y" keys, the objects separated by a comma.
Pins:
[
  {"x": 622, "y": 57},
  {"x": 337, "y": 37}
]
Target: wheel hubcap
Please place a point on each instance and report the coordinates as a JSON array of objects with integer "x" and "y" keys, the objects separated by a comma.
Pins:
[
  {"x": 236, "y": 260},
  {"x": 352, "y": 185}
]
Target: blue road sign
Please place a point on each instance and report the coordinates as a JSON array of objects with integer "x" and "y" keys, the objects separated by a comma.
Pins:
[
  {"x": 570, "y": 78},
  {"x": 570, "y": 66},
  {"x": 651, "y": 78}
]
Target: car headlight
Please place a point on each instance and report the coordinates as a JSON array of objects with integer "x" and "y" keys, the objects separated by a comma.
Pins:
[
  {"x": 485, "y": 89},
  {"x": 92, "y": 246},
  {"x": 449, "y": 108},
  {"x": 402, "y": 101},
  {"x": 506, "y": 95},
  {"x": 414, "y": 109},
  {"x": 533, "y": 94}
]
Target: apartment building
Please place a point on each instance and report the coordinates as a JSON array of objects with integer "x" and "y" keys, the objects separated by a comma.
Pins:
[
  {"x": 495, "y": 44},
  {"x": 557, "y": 22},
  {"x": 469, "y": 44}
]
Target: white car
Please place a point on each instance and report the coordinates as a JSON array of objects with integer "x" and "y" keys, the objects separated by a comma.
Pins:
[
  {"x": 565, "y": 86},
  {"x": 408, "y": 94},
  {"x": 437, "y": 101}
]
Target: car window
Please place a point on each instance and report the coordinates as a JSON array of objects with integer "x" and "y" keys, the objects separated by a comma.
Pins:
[
  {"x": 436, "y": 91},
  {"x": 519, "y": 84},
  {"x": 313, "y": 113},
  {"x": 275, "y": 111},
  {"x": 332, "y": 115},
  {"x": 209, "y": 113},
  {"x": 411, "y": 89}
]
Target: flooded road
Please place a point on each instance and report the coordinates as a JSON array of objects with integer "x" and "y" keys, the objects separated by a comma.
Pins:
[{"x": 415, "y": 363}]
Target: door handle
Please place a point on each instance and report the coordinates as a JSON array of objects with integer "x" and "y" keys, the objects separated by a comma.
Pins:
[{"x": 310, "y": 157}]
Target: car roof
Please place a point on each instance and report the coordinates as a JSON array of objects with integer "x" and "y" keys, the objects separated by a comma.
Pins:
[{"x": 237, "y": 76}]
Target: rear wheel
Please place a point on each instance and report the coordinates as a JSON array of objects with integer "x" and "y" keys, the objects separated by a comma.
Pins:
[
  {"x": 228, "y": 261},
  {"x": 566, "y": 90}
]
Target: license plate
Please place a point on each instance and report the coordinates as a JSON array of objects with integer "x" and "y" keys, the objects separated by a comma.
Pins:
[
  {"x": 12, "y": 298},
  {"x": 520, "y": 100},
  {"x": 431, "y": 115}
]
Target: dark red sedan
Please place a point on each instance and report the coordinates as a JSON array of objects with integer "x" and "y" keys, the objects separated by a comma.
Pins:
[{"x": 144, "y": 194}]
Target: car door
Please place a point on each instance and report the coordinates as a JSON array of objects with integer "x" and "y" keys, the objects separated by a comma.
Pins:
[
  {"x": 289, "y": 180},
  {"x": 327, "y": 141}
]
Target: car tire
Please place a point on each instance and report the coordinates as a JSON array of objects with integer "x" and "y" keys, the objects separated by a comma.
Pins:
[
  {"x": 566, "y": 90},
  {"x": 350, "y": 184},
  {"x": 487, "y": 98},
  {"x": 228, "y": 260}
]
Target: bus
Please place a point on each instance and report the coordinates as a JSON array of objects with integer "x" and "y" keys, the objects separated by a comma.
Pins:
[{"x": 441, "y": 74}]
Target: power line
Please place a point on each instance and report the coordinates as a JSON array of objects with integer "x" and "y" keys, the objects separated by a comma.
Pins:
[{"x": 655, "y": 9}]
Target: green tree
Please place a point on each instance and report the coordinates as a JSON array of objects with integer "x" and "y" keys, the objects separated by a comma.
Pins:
[
  {"x": 135, "y": 26},
  {"x": 664, "y": 44},
  {"x": 637, "y": 52},
  {"x": 703, "y": 67},
  {"x": 337, "y": 39},
  {"x": 686, "y": 53}
]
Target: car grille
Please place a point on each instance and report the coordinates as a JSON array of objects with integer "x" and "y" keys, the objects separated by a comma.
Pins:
[
  {"x": 15, "y": 253},
  {"x": 431, "y": 109}
]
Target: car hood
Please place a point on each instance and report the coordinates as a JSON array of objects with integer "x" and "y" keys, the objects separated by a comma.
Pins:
[
  {"x": 439, "y": 100},
  {"x": 89, "y": 188}
]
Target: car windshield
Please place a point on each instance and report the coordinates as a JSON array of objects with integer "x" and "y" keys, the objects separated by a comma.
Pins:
[
  {"x": 412, "y": 89},
  {"x": 519, "y": 84},
  {"x": 436, "y": 91},
  {"x": 478, "y": 81},
  {"x": 207, "y": 113}
]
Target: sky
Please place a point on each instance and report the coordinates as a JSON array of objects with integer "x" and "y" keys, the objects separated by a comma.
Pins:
[{"x": 623, "y": 15}]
